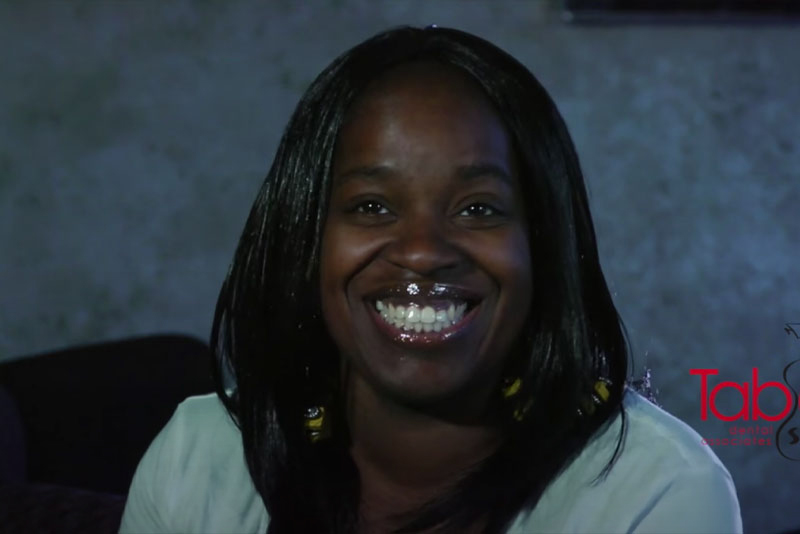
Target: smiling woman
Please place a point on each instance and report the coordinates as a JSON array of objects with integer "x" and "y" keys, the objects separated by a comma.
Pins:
[
  {"x": 425, "y": 192},
  {"x": 415, "y": 334}
]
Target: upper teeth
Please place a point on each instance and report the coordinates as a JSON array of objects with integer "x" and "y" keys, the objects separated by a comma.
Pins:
[{"x": 422, "y": 318}]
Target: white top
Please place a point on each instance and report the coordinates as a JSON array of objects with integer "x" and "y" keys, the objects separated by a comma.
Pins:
[{"x": 193, "y": 478}]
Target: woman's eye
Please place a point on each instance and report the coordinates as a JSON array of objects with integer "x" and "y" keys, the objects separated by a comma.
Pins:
[
  {"x": 479, "y": 209},
  {"x": 371, "y": 207}
]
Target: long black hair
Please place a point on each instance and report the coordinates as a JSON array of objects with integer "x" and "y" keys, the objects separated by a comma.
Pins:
[{"x": 274, "y": 357}]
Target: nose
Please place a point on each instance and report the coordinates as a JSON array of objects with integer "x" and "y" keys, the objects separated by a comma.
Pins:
[{"x": 424, "y": 245}]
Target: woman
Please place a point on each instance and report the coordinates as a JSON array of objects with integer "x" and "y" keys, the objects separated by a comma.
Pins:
[{"x": 416, "y": 334}]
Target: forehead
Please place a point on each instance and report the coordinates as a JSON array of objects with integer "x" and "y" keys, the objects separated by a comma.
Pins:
[{"x": 422, "y": 112}]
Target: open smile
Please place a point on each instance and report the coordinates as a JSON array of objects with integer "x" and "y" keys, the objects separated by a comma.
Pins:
[
  {"x": 435, "y": 316},
  {"x": 423, "y": 324}
]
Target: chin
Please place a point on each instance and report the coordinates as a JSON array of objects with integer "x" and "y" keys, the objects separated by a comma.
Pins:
[{"x": 432, "y": 388}]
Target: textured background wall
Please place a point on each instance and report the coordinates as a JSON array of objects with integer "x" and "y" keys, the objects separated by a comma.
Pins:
[{"x": 134, "y": 135}]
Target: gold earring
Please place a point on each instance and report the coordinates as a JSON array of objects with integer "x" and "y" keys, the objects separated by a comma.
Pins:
[
  {"x": 511, "y": 388},
  {"x": 601, "y": 390},
  {"x": 317, "y": 424},
  {"x": 599, "y": 395},
  {"x": 522, "y": 411}
]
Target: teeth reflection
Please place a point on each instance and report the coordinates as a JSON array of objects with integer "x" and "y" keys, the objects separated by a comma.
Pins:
[{"x": 417, "y": 318}]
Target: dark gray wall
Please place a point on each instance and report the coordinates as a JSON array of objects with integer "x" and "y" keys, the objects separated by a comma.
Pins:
[{"x": 134, "y": 135}]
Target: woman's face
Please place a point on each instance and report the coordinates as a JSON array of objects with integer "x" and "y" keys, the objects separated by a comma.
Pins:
[{"x": 425, "y": 269}]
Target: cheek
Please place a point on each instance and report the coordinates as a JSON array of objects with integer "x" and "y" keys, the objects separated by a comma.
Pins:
[
  {"x": 332, "y": 262},
  {"x": 517, "y": 269},
  {"x": 342, "y": 256},
  {"x": 330, "y": 265},
  {"x": 334, "y": 307},
  {"x": 346, "y": 251},
  {"x": 509, "y": 254}
]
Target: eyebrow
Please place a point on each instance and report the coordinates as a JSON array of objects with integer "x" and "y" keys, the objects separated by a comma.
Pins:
[
  {"x": 466, "y": 172},
  {"x": 478, "y": 170}
]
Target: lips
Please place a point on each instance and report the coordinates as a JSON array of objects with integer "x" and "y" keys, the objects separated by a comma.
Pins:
[
  {"x": 423, "y": 315},
  {"x": 424, "y": 293},
  {"x": 414, "y": 316}
]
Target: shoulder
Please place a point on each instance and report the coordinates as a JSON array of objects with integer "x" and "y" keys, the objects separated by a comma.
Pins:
[
  {"x": 201, "y": 425},
  {"x": 196, "y": 460},
  {"x": 683, "y": 485},
  {"x": 200, "y": 438},
  {"x": 658, "y": 436},
  {"x": 664, "y": 480}
]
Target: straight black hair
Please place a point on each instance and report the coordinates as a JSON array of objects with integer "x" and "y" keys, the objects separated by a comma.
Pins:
[{"x": 274, "y": 357}]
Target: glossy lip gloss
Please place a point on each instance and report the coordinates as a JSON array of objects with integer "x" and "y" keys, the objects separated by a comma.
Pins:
[
  {"x": 423, "y": 339},
  {"x": 423, "y": 295}
]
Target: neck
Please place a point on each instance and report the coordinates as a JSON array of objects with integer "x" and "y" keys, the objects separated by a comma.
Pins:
[{"x": 406, "y": 457}]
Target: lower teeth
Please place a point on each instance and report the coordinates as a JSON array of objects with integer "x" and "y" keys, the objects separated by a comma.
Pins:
[{"x": 421, "y": 327}]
